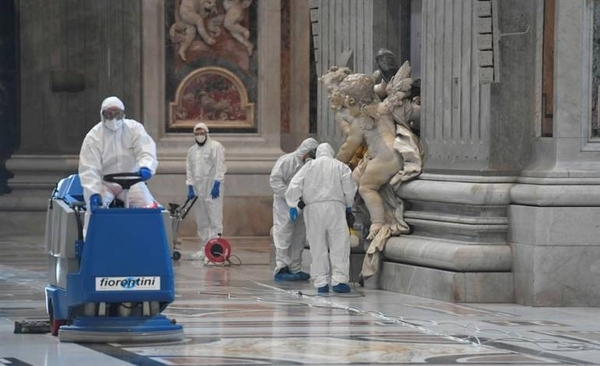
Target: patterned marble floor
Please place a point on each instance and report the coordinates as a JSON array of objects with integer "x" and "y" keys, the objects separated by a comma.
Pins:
[{"x": 237, "y": 315}]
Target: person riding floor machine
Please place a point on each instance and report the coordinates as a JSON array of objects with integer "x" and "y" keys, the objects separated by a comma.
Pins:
[{"x": 112, "y": 286}]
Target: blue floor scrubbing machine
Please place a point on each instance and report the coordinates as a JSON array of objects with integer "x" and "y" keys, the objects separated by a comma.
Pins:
[{"x": 112, "y": 286}]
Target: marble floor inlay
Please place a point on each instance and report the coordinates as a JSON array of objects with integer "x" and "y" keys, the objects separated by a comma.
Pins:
[{"x": 237, "y": 315}]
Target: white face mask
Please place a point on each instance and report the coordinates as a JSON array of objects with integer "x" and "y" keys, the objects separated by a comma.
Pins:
[
  {"x": 201, "y": 139},
  {"x": 113, "y": 124}
]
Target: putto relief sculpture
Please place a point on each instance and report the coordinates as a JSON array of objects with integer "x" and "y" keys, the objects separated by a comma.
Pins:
[
  {"x": 234, "y": 14},
  {"x": 195, "y": 17},
  {"x": 374, "y": 113},
  {"x": 206, "y": 21}
]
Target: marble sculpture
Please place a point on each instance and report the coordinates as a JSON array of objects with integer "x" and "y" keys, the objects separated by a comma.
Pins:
[{"x": 375, "y": 119}]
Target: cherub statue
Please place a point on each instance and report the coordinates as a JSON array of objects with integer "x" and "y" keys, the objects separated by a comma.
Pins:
[
  {"x": 234, "y": 14},
  {"x": 334, "y": 76},
  {"x": 354, "y": 146},
  {"x": 402, "y": 101},
  {"x": 392, "y": 148},
  {"x": 195, "y": 16}
]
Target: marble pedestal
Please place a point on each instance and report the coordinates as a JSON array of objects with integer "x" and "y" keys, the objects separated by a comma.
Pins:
[
  {"x": 447, "y": 271},
  {"x": 457, "y": 251},
  {"x": 247, "y": 207},
  {"x": 23, "y": 211},
  {"x": 556, "y": 255},
  {"x": 450, "y": 286}
]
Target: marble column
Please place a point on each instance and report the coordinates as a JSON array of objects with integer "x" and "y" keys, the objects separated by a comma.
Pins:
[
  {"x": 475, "y": 126},
  {"x": 72, "y": 55},
  {"x": 297, "y": 78},
  {"x": 556, "y": 202}
]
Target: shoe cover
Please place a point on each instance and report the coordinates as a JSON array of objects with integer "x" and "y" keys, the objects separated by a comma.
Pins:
[
  {"x": 323, "y": 289},
  {"x": 284, "y": 274},
  {"x": 303, "y": 276},
  {"x": 287, "y": 277},
  {"x": 341, "y": 288}
]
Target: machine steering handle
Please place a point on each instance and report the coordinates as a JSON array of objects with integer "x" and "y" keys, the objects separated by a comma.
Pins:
[{"x": 125, "y": 180}]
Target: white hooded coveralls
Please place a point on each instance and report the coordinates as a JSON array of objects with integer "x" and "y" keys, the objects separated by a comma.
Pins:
[
  {"x": 326, "y": 187},
  {"x": 204, "y": 165},
  {"x": 288, "y": 237},
  {"x": 123, "y": 149}
]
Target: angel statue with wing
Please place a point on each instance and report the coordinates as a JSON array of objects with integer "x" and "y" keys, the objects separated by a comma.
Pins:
[{"x": 378, "y": 116}]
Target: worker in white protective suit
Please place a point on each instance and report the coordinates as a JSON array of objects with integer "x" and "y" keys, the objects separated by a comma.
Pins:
[
  {"x": 116, "y": 145},
  {"x": 205, "y": 169},
  {"x": 327, "y": 189},
  {"x": 289, "y": 237}
]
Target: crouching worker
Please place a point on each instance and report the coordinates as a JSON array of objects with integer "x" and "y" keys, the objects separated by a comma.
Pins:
[
  {"x": 115, "y": 145},
  {"x": 289, "y": 237},
  {"x": 327, "y": 189}
]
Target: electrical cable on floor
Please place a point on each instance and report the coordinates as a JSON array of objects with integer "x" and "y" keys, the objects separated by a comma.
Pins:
[
  {"x": 514, "y": 336},
  {"x": 226, "y": 261},
  {"x": 262, "y": 299},
  {"x": 347, "y": 295},
  {"x": 473, "y": 338},
  {"x": 298, "y": 293}
]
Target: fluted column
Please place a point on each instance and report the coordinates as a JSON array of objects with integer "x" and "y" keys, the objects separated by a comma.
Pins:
[{"x": 472, "y": 130}]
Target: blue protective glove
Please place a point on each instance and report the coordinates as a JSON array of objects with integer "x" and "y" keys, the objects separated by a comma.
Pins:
[
  {"x": 349, "y": 209},
  {"x": 95, "y": 202},
  {"x": 215, "y": 190},
  {"x": 191, "y": 193},
  {"x": 145, "y": 173},
  {"x": 293, "y": 214}
]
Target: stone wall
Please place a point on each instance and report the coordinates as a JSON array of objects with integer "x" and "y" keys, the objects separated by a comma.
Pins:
[
  {"x": 552, "y": 219},
  {"x": 9, "y": 86},
  {"x": 74, "y": 54}
]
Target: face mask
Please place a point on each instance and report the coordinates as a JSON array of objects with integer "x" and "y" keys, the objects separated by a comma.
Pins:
[
  {"x": 113, "y": 124},
  {"x": 201, "y": 139}
]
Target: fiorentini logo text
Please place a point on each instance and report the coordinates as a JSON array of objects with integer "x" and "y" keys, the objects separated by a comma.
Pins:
[{"x": 127, "y": 283}]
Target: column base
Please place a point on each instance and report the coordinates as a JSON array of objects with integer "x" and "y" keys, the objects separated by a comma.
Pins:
[
  {"x": 556, "y": 255},
  {"x": 20, "y": 223},
  {"x": 455, "y": 287}
]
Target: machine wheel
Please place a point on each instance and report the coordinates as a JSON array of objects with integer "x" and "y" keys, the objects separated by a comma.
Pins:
[
  {"x": 176, "y": 255},
  {"x": 54, "y": 323}
]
